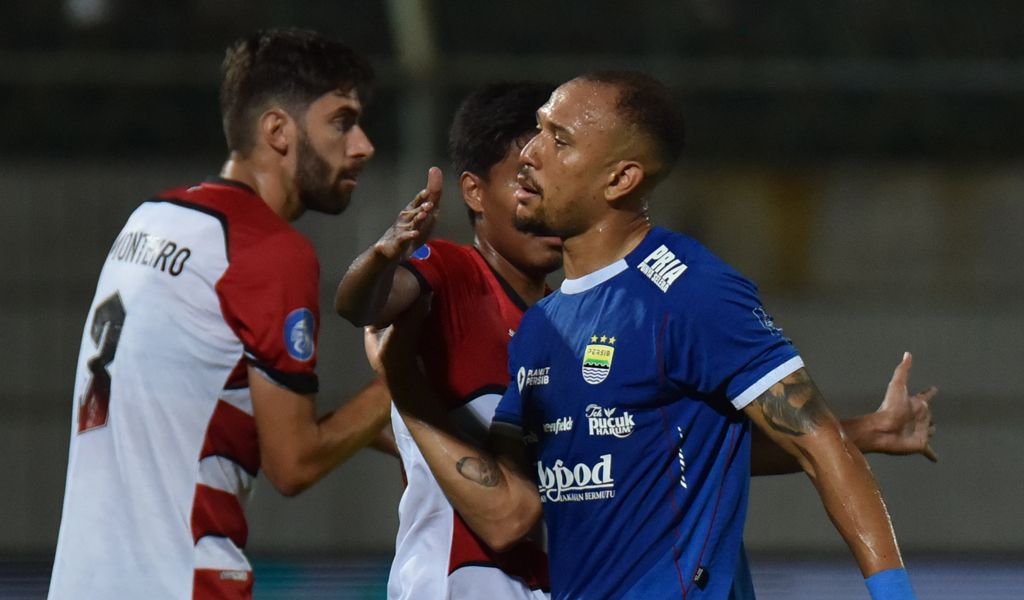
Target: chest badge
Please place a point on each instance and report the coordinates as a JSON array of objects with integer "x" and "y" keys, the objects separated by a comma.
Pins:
[{"x": 597, "y": 359}]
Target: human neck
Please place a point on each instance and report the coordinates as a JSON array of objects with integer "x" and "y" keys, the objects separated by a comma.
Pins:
[
  {"x": 530, "y": 286},
  {"x": 268, "y": 185},
  {"x": 603, "y": 243}
]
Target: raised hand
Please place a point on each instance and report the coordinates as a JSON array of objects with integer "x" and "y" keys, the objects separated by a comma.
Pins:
[
  {"x": 415, "y": 223},
  {"x": 905, "y": 423}
]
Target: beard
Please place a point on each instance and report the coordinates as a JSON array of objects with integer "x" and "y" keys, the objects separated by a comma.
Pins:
[
  {"x": 317, "y": 191},
  {"x": 535, "y": 223}
]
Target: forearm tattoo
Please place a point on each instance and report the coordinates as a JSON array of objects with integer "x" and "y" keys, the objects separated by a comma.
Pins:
[
  {"x": 794, "y": 405},
  {"x": 479, "y": 470}
]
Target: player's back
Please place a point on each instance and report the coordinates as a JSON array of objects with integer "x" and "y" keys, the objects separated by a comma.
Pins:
[{"x": 163, "y": 446}]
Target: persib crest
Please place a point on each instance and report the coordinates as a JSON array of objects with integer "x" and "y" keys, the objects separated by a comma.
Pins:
[{"x": 597, "y": 359}]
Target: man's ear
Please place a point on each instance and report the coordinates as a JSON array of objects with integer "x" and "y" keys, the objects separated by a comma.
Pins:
[
  {"x": 472, "y": 191},
  {"x": 625, "y": 178},
  {"x": 277, "y": 129}
]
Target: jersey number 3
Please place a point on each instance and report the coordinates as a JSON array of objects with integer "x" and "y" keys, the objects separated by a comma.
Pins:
[{"x": 105, "y": 331}]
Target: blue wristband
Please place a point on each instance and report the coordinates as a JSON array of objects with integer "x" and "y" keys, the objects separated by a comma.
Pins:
[{"x": 892, "y": 584}]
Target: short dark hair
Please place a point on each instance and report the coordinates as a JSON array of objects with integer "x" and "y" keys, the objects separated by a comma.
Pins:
[
  {"x": 489, "y": 120},
  {"x": 647, "y": 103},
  {"x": 291, "y": 66}
]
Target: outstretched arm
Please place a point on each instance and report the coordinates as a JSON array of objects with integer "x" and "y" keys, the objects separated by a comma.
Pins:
[
  {"x": 296, "y": 448},
  {"x": 385, "y": 440},
  {"x": 489, "y": 486},
  {"x": 374, "y": 290},
  {"x": 902, "y": 425},
  {"x": 793, "y": 414}
]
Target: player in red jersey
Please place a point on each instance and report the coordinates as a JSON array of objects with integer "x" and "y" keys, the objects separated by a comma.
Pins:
[
  {"x": 478, "y": 294},
  {"x": 197, "y": 365}
]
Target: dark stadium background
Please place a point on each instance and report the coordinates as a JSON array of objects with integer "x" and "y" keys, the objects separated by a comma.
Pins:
[{"x": 861, "y": 160}]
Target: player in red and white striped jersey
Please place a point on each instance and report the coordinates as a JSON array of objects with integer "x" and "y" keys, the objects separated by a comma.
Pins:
[{"x": 197, "y": 364}]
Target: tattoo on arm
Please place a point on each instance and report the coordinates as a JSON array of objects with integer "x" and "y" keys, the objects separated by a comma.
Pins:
[
  {"x": 793, "y": 405},
  {"x": 479, "y": 470}
]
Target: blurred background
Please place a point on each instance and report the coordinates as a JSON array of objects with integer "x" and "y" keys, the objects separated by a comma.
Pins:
[{"x": 861, "y": 160}]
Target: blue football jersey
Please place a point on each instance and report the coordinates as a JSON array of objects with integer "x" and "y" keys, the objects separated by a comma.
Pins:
[{"x": 630, "y": 380}]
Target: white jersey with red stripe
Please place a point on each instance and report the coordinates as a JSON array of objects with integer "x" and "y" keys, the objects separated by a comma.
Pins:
[
  {"x": 473, "y": 315},
  {"x": 200, "y": 283}
]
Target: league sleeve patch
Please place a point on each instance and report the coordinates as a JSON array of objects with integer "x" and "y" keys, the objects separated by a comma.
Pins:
[
  {"x": 298, "y": 334},
  {"x": 422, "y": 253}
]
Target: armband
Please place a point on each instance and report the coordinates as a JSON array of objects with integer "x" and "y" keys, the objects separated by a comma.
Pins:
[{"x": 891, "y": 584}]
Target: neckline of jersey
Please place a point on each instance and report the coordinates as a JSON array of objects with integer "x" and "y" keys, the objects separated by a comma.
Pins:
[
  {"x": 506, "y": 286},
  {"x": 592, "y": 280}
]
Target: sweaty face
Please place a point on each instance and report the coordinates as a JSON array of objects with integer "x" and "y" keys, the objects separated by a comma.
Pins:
[
  {"x": 496, "y": 226},
  {"x": 564, "y": 168},
  {"x": 331, "y": 151}
]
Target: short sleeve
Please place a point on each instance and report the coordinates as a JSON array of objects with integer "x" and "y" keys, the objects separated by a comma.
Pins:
[
  {"x": 429, "y": 264},
  {"x": 270, "y": 298},
  {"x": 721, "y": 341}
]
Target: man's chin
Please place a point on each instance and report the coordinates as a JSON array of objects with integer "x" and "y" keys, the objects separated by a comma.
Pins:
[
  {"x": 533, "y": 227},
  {"x": 329, "y": 205}
]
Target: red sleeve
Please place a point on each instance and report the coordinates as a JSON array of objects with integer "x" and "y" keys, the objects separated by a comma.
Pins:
[
  {"x": 270, "y": 298},
  {"x": 429, "y": 264}
]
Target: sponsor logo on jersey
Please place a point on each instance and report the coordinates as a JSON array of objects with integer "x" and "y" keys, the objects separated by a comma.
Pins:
[
  {"x": 662, "y": 267},
  {"x": 597, "y": 359},
  {"x": 532, "y": 377},
  {"x": 298, "y": 334},
  {"x": 577, "y": 483},
  {"x": 558, "y": 426},
  {"x": 604, "y": 421},
  {"x": 422, "y": 253}
]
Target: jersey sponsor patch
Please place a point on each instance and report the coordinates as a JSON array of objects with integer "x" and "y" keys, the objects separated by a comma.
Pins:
[
  {"x": 604, "y": 421},
  {"x": 662, "y": 267},
  {"x": 576, "y": 483},
  {"x": 421, "y": 253},
  {"x": 298, "y": 334},
  {"x": 558, "y": 425},
  {"x": 532, "y": 377},
  {"x": 597, "y": 359}
]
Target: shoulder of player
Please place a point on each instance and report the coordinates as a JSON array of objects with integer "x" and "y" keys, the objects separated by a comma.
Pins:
[
  {"x": 677, "y": 267},
  {"x": 254, "y": 231},
  {"x": 440, "y": 249},
  {"x": 280, "y": 250},
  {"x": 443, "y": 259},
  {"x": 536, "y": 317}
]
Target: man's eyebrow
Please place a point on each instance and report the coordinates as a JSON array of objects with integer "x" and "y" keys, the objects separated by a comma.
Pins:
[
  {"x": 346, "y": 111},
  {"x": 561, "y": 129}
]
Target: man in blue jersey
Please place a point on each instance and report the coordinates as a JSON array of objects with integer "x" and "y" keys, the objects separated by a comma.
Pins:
[
  {"x": 635, "y": 385},
  {"x": 488, "y": 132}
]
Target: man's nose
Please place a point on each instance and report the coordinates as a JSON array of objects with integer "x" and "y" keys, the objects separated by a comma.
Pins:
[
  {"x": 359, "y": 144},
  {"x": 528, "y": 155}
]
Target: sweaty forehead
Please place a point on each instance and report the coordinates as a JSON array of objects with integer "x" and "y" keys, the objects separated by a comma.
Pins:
[{"x": 582, "y": 104}]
